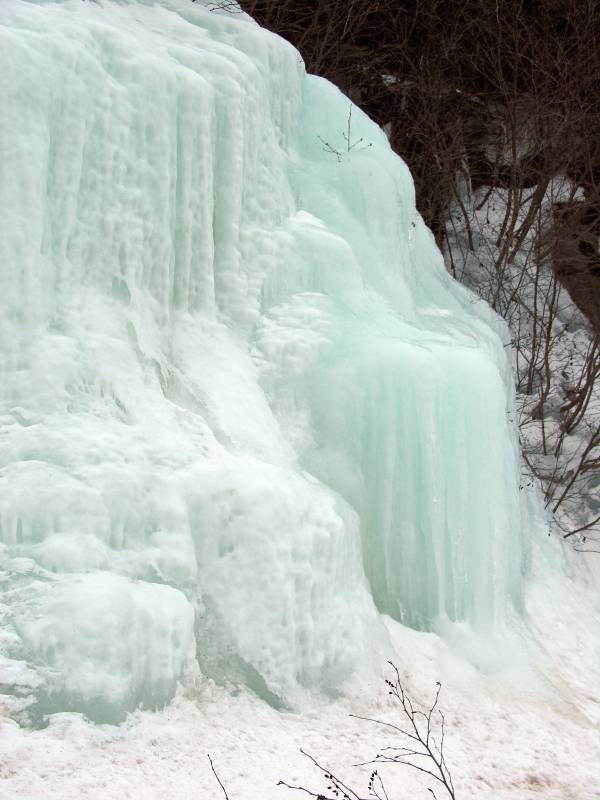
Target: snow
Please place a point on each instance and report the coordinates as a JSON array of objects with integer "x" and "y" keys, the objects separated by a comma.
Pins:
[
  {"x": 516, "y": 735},
  {"x": 249, "y": 427}
]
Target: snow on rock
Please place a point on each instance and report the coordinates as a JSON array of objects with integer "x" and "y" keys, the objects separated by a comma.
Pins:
[{"x": 244, "y": 408}]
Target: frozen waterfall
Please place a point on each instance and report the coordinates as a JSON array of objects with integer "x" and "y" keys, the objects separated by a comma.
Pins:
[{"x": 244, "y": 410}]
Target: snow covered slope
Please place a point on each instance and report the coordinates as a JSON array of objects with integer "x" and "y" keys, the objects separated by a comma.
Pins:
[{"x": 244, "y": 409}]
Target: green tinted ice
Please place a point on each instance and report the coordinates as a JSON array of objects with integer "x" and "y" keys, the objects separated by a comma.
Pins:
[{"x": 243, "y": 407}]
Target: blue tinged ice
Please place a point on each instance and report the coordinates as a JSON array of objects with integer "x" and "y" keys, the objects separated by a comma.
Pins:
[{"x": 244, "y": 410}]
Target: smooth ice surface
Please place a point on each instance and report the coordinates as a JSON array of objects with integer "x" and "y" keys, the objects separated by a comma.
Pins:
[{"x": 243, "y": 407}]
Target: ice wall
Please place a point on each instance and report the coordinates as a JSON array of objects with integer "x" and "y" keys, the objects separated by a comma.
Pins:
[{"x": 243, "y": 407}]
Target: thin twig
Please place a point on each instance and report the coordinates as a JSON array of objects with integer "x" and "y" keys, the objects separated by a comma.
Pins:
[{"x": 212, "y": 766}]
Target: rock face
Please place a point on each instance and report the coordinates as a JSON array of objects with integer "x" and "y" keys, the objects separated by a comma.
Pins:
[
  {"x": 575, "y": 248},
  {"x": 243, "y": 407}
]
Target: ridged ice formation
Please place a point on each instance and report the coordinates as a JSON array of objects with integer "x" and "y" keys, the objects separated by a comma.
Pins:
[{"x": 240, "y": 397}]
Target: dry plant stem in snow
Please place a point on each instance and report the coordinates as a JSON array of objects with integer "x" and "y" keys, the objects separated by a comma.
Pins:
[
  {"x": 424, "y": 751},
  {"x": 212, "y": 766},
  {"x": 337, "y": 789},
  {"x": 350, "y": 145}
]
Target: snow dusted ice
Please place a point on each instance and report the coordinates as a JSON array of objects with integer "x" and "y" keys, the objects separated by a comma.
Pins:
[{"x": 245, "y": 411}]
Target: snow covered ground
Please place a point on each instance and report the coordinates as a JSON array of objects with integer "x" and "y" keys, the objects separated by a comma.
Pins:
[
  {"x": 524, "y": 728},
  {"x": 520, "y": 734}
]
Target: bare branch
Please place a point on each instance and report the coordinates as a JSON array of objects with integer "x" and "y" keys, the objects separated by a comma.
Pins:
[{"x": 212, "y": 766}]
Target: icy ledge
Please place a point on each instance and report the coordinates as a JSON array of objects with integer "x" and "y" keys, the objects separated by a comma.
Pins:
[{"x": 243, "y": 407}]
